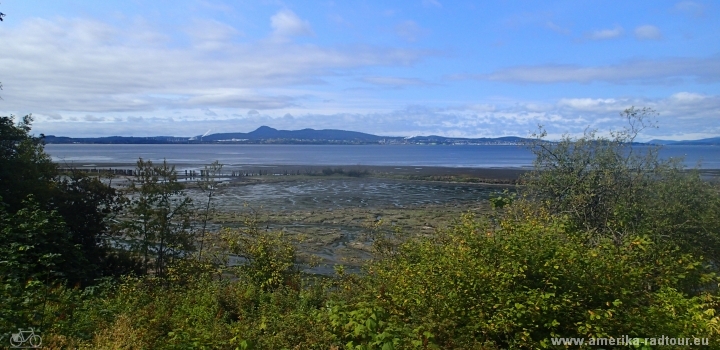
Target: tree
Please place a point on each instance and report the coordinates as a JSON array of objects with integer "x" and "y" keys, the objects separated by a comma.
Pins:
[
  {"x": 87, "y": 205},
  {"x": 158, "y": 217},
  {"x": 24, "y": 166},
  {"x": 610, "y": 186},
  {"x": 37, "y": 245},
  {"x": 79, "y": 204},
  {"x": 208, "y": 184}
]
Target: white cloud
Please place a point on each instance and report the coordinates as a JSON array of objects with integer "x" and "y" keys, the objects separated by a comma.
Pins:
[
  {"x": 210, "y": 34},
  {"x": 688, "y": 97},
  {"x": 588, "y": 104},
  {"x": 92, "y": 118},
  {"x": 645, "y": 71},
  {"x": 395, "y": 82},
  {"x": 231, "y": 98},
  {"x": 409, "y": 30},
  {"x": 208, "y": 112},
  {"x": 80, "y": 65},
  {"x": 479, "y": 107},
  {"x": 286, "y": 23},
  {"x": 692, "y": 8},
  {"x": 681, "y": 113},
  {"x": 604, "y": 34},
  {"x": 648, "y": 32}
]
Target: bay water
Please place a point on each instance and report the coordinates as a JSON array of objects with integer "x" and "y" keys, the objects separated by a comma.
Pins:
[{"x": 471, "y": 156}]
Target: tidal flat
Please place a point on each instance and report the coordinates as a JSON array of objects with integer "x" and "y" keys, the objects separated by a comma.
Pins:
[{"x": 331, "y": 217}]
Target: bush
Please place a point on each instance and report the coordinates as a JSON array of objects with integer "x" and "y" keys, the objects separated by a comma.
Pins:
[
  {"x": 533, "y": 279},
  {"x": 268, "y": 259},
  {"x": 610, "y": 187}
]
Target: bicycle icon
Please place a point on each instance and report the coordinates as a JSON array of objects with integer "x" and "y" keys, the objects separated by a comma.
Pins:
[{"x": 18, "y": 340}]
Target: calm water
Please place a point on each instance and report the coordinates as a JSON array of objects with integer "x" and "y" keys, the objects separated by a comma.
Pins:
[{"x": 708, "y": 157}]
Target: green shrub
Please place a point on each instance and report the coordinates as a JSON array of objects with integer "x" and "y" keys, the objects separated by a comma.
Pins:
[
  {"x": 534, "y": 279},
  {"x": 610, "y": 187}
]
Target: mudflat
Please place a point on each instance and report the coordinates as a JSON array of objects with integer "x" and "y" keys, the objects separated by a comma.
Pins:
[{"x": 334, "y": 213}]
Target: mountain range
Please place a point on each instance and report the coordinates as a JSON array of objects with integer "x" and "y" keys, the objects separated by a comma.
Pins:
[
  {"x": 265, "y": 134},
  {"x": 708, "y": 141},
  {"x": 268, "y": 135}
]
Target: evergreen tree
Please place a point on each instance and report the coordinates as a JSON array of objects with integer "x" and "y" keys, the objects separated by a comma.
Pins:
[{"x": 158, "y": 217}]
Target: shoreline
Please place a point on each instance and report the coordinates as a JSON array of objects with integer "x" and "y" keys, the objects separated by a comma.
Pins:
[
  {"x": 433, "y": 173},
  {"x": 487, "y": 175}
]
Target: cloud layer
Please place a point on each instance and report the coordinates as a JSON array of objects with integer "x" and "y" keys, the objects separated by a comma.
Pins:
[
  {"x": 648, "y": 32},
  {"x": 88, "y": 66},
  {"x": 605, "y": 34},
  {"x": 421, "y": 67},
  {"x": 680, "y": 114},
  {"x": 663, "y": 71}
]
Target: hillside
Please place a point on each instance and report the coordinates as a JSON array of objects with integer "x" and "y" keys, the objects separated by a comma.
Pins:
[
  {"x": 705, "y": 142},
  {"x": 266, "y": 134}
]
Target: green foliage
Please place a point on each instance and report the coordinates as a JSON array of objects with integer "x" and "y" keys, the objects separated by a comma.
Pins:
[
  {"x": 87, "y": 205},
  {"x": 38, "y": 244},
  {"x": 24, "y": 167},
  {"x": 611, "y": 188},
  {"x": 30, "y": 183},
  {"x": 158, "y": 216},
  {"x": 50, "y": 226},
  {"x": 200, "y": 313},
  {"x": 268, "y": 259},
  {"x": 366, "y": 325},
  {"x": 37, "y": 251},
  {"x": 208, "y": 184},
  {"x": 590, "y": 177},
  {"x": 502, "y": 200},
  {"x": 471, "y": 286},
  {"x": 534, "y": 279}
]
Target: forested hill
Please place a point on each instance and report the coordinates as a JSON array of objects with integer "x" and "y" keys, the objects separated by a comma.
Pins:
[
  {"x": 265, "y": 134},
  {"x": 708, "y": 141},
  {"x": 268, "y": 133}
]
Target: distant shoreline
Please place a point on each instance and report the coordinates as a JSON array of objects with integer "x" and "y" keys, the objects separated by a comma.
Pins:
[{"x": 268, "y": 135}]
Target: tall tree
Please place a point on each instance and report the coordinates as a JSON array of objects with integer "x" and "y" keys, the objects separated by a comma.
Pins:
[
  {"x": 31, "y": 183},
  {"x": 158, "y": 217},
  {"x": 24, "y": 166},
  {"x": 87, "y": 205},
  {"x": 208, "y": 185}
]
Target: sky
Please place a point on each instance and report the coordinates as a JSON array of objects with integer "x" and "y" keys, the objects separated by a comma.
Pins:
[{"x": 395, "y": 68}]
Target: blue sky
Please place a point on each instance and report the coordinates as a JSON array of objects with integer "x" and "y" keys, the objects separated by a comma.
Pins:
[{"x": 452, "y": 68}]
